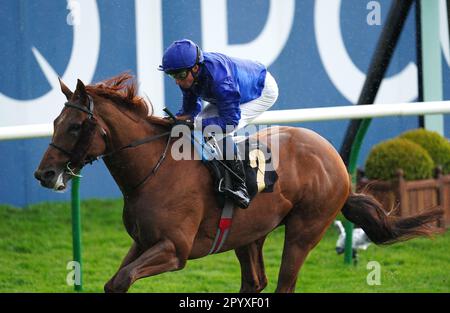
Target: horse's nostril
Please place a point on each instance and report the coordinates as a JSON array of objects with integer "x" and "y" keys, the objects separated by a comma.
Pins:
[
  {"x": 37, "y": 175},
  {"x": 49, "y": 174}
]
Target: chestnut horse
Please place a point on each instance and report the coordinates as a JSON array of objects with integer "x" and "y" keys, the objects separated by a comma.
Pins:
[{"x": 170, "y": 207}]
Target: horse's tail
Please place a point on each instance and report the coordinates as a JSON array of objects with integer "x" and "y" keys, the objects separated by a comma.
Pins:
[{"x": 366, "y": 212}]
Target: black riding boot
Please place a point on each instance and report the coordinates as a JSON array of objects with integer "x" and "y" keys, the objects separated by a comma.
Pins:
[{"x": 238, "y": 192}]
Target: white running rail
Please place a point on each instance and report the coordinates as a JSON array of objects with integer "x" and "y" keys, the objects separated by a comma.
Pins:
[
  {"x": 352, "y": 112},
  {"x": 281, "y": 116}
]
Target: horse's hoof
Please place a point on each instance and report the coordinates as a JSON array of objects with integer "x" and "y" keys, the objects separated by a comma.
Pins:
[
  {"x": 111, "y": 289},
  {"x": 108, "y": 288},
  {"x": 120, "y": 283}
]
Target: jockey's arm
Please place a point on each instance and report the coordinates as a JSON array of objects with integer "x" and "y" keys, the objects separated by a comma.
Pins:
[
  {"x": 192, "y": 105},
  {"x": 228, "y": 102},
  {"x": 229, "y": 114}
]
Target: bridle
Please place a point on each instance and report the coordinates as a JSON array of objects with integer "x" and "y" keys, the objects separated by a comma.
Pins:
[
  {"x": 85, "y": 138},
  {"x": 78, "y": 156}
]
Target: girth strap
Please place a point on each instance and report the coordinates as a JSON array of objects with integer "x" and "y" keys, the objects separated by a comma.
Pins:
[{"x": 224, "y": 227}]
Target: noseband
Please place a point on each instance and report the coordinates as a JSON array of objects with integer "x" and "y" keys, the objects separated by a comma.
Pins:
[{"x": 78, "y": 156}]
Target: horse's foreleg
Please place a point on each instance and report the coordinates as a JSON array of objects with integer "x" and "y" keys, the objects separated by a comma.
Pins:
[
  {"x": 160, "y": 258},
  {"x": 253, "y": 276},
  {"x": 132, "y": 255}
]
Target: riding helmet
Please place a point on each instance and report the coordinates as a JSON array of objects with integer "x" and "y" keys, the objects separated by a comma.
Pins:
[{"x": 181, "y": 54}]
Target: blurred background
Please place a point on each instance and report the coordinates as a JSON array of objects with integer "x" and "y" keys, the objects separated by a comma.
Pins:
[{"x": 318, "y": 51}]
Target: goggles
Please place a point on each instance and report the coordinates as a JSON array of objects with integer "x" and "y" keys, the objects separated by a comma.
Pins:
[{"x": 179, "y": 75}]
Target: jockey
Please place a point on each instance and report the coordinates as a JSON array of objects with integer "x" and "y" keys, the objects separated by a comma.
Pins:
[{"x": 237, "y": 91}]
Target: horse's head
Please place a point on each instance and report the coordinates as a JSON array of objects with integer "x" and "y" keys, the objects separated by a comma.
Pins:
[{"x": 77, "y": 139}]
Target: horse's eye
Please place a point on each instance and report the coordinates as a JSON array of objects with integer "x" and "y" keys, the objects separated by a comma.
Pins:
[{"x": 74, "y": 128}]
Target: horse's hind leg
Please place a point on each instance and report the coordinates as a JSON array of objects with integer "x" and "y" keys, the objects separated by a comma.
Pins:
[
  {"x": 301, "y": 236},
  {"x": 253, "y": 276}
]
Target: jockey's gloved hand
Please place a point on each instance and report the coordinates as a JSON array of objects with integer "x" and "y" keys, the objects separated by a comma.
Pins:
[{"x": 188, "y": 123}]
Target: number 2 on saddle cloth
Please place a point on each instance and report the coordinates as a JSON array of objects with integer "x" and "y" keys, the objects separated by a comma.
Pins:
[{"x": 255, "y": 156}]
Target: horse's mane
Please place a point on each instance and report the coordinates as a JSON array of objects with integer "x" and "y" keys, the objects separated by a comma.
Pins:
[{"x": 122, "y": 90}]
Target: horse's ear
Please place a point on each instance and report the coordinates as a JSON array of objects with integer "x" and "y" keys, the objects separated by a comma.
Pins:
[
  {"x": 65, "y": 90},
  {"x": 80, "y": 92}
]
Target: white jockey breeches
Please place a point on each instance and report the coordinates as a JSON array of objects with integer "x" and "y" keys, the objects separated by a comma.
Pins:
[{"x": 249, "y": 110}]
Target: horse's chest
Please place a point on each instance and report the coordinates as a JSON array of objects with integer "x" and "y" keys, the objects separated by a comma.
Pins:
[{"x": 139, "y": 227}]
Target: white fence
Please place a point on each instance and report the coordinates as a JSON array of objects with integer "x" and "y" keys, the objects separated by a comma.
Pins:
[
  {"x": 282, "y": 116},
  {"x": 352, "y": 112},
  {"x": 26, "y": 131}
]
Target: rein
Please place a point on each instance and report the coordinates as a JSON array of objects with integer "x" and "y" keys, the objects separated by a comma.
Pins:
[
  {"x": 141, "y": 142},
  {"x": 78, "y": 155}
]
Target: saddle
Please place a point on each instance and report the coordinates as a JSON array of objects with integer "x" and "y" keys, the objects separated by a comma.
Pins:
[{"x": 257, "y": 160}]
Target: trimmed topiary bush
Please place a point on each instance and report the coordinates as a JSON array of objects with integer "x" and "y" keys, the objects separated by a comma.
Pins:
[
  {"x": 387, "y": 157},
  {"x": 437, "y": 146}
]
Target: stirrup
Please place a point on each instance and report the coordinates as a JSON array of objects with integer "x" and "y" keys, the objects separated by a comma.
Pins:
[
  {"x": 220, "y": 186},
  {"x": 242, "y": 202}
]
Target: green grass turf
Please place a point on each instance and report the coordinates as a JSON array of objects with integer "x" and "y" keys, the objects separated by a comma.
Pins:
[{"x": 36, "y": 245}]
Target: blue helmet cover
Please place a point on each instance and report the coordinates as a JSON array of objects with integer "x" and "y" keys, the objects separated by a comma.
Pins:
[{"x": 181, "y": 54}]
